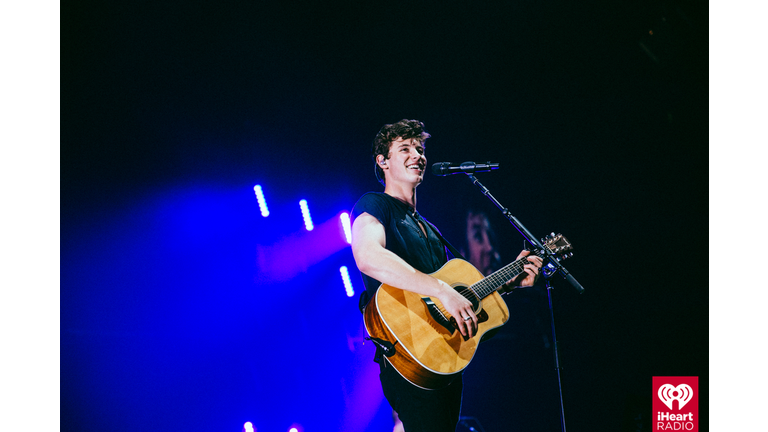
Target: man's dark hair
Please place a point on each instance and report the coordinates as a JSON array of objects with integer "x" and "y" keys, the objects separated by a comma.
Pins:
[{"x": 404, "y": 129}]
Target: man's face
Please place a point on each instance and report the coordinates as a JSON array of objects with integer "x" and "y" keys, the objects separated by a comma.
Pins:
[{"x": 406, "y": 161}]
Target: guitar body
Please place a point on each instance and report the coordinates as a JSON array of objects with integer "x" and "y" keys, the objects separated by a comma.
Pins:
[{"x": 429, "y": 351}]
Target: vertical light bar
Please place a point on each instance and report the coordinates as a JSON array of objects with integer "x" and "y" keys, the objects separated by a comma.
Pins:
[
  {"x": 347, "y": 283},
  {"x": 347, "y": 227},
  {"x": 307, "y": 216},
  {"x": 262, "y": 201}
]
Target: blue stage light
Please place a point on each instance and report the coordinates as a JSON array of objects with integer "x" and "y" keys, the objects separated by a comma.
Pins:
[
  {"x": 345, "y": 224},
  {"x": 347, "y": 282},
  {"x": 262, "y": 201},
  {"x": 307, "y": 216}
]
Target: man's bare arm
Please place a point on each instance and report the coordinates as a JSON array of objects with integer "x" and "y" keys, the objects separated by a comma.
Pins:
[{"x": 374, "y": 260}]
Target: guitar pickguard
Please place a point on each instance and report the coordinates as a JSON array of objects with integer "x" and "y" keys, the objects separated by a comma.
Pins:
[{"x": 437, "y": 315}]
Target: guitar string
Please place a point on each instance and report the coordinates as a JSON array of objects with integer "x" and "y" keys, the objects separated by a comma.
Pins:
[
  {"x": 495, "y": 280},
  {"x": 492, "y": 282}
]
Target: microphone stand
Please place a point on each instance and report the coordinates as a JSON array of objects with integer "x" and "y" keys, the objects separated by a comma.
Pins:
[{"x": 552, "y": 266}]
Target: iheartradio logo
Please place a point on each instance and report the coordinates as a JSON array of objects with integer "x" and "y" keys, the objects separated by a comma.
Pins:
[
  {"x": 669, "y": 393},
  {"x": 680, "y": 416}
]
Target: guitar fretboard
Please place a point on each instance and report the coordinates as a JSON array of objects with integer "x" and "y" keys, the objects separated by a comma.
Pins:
[{"x": 497, "y": 279}]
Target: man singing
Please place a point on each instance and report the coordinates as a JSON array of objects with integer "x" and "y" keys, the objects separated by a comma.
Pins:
[{"x": 394, "y": 245}]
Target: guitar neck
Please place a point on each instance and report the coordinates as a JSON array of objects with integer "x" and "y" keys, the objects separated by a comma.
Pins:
[
  {"x": 497, "y": 279},
  {"x": 555, "y": 244}
]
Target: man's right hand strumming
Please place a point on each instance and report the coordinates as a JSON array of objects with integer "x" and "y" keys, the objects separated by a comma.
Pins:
[{"x": 460, "y": 309}]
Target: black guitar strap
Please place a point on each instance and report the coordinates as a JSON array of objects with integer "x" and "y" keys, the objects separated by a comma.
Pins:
[{"x": 454, "y": 251}]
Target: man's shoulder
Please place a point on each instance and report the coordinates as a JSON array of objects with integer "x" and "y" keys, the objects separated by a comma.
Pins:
[
  {"x": 373, "y": 196},
  {"x": 377, "y": 204},
  {"x": 379, "y": 199}
]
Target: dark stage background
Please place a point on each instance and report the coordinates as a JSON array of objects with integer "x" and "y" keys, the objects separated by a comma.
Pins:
[{"x": 173, "y": 111}]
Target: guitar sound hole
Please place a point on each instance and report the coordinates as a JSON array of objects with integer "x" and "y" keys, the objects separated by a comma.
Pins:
[{"x": 469, "y": 295}]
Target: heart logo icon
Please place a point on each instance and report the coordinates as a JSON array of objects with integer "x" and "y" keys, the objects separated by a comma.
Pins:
[{"x": 682, "y": 393}]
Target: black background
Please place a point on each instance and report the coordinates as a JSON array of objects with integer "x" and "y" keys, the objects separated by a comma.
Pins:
[{"x": 597, "y": 112}]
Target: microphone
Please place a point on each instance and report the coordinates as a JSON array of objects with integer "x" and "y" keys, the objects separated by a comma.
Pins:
[{"x": 445, "y": 168}]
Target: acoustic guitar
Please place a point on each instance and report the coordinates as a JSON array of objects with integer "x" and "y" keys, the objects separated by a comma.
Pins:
[{"x": 418, "y": 336}]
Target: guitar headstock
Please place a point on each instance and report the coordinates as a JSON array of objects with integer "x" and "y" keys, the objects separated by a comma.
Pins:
[{"x": 558, "y": 245}]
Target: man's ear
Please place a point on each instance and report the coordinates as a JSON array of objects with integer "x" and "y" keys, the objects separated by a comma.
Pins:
[{"x": 381, "y": 161}]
